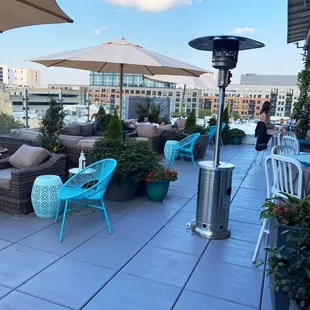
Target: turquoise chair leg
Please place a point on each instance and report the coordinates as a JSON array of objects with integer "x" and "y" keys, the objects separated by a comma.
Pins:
[
  {"x": 106, "y": 216},
  {"x": 58, "y": 210},
  {"x": 193, "y": 160},
  {"x": 63, "y": 221},
  {"x": 172, "y": 159}
]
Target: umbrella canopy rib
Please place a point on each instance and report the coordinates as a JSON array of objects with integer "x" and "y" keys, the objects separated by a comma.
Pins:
[{"x": 40, "y": 8}]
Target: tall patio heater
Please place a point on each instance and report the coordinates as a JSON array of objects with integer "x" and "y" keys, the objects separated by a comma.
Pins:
[{"x": 215, "y": 177}]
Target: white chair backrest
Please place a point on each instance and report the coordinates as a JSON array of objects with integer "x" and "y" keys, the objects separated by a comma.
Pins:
[
  {"x": 286, "y": 176},
  {"x": 283, "y": 150},
  {"x": 291, "y": 141},
  {"x": 282, "y": 134}
]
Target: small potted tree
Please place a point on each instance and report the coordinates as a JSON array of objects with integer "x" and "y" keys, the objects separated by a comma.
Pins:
[
  {"x": 287, "y": 216},
  {"x": 236, "y": 136},
  {"x": 158, "y": 181},
  {"x": 290, "y": 266},
  {"x": 102, "y": 121},
  {"x": 51, "y": 126}
]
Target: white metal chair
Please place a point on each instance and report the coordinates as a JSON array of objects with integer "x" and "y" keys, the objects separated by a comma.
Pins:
[
  {"x": 281, "y": 181},
  {"x": 291, "y": 141},
  {"x": 283, "y": 150},
  {"x": 282, "y": 134}
]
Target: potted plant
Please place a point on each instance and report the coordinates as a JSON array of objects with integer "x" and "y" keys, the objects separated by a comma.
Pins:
[
  {"x": 114, "y": 129},
  {"x": 236, "y": 136},
  {"x": 134, "y": 160},
  {"x": 8, "y": 123},
  {"x": 51, "y": 126},
  {"x": 286, "y": 216},
  {"x": 158, "y": 181},
  {"x": 101, "y": 121},
  {"x": 290, "y": 266}
]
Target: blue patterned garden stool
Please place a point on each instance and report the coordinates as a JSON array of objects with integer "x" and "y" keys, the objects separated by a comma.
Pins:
[
  {"x": 44, "y": 195},
  {"x": 169, "y": 148}
]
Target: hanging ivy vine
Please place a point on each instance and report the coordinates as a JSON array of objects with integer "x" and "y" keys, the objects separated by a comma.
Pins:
[{"x": 298, "y": 114}]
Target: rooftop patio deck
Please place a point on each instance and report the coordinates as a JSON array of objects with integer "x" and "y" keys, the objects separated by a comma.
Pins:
[{"x": 150, "y": 262}]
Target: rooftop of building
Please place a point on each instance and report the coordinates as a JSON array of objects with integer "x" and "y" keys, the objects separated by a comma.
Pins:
[{"x": 259, "y": 79}]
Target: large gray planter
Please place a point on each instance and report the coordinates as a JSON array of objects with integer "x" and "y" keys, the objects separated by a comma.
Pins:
[
  {"x": 280, "y": 300},
  {"x": 202, "y": 146},
  {"x": 294, "y": 306},
  {"x": 120, "y": 192}
]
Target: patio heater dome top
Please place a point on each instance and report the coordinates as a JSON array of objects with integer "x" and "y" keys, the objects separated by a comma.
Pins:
[{"x": 206, "y": 43}]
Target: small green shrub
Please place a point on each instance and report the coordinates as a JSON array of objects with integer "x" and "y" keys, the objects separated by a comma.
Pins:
[
  {"x": 212, "y": 121},
  {"x": 201, "y": 129},
  {"x": 235, "y": 132},
  {"x": 176, "y": 135},
  {"x": 115, "y": 128},
  {"x": 102, "y": 120},
  {"x": 135, "y": 159},
  {"x": 190, "y": 123},
  {"x": 8, "y": 122},
  {"x": 51, "y": 126}
]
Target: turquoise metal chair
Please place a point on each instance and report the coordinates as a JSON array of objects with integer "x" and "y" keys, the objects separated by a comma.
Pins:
[
  {"x": 212, "y": 133},
  {"x": 87, "y": 188},
  {"x": 186, "y": 147}
]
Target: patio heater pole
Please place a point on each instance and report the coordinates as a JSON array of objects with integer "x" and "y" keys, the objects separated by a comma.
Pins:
[
  {"x": 121, "y": 91},
  {"x": 215, "y": 178},
  {"x": 25, "y": 108},
  {"x": 87, "y": 107}
]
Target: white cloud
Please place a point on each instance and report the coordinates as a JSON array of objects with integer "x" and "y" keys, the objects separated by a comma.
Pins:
[
  {"x": 244, "y": 30},
  {"x": 98, "y": 30},
  {"x": 150, "y": 5}
]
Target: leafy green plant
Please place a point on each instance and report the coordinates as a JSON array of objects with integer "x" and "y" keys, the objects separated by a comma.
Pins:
[
  {"x": 161, "y": 173},
  {"x": 175, "y": 134},
  {"x": 235, "y": 115},
  {"x": 235, "y": 132},
  {"x": 291, "y": 211},
  {"x": 291, "y": 267},
  {"x": 8, "y": 122},
  {"x": 225, "y": 131},
  {"x": 204, "y": 112},
  {"x": 115, "y": 128},
  {"x": 190, "y": 123},
  {"x": 134, "y": 158},
  {"x": 51, "y": 126},
  {"x": 102, "y": 120},
  {"x": 298, "y": 113},
  {"x": 201, "y": 129},
  {"x": 212, "y": 121}
]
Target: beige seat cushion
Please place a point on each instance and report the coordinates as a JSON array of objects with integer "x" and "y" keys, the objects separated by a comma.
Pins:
[
  {"x": 146, "y": 130},
  {"x": 86, "y": 130},
  {"x": 5, "y": 178},
  {"x": 29, "y": 156},
  {"x": 29, "y": 135},
  {"x": 70, "y": 141},
  {"x": 166, "y": 127},
  {"x": 72, "y": 130},
  {"x": 88, "y": 143}
]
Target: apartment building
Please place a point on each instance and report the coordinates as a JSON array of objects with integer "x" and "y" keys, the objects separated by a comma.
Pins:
[
  {"x": 104, "y": 89},
  {"x": 247, "y": 98},
  {"x": 20, "y": 77}
]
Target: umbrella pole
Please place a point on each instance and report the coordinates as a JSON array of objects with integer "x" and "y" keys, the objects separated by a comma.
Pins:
[
  {"x": 121, "y": 91},
  {"x": 183, "y": 98}
]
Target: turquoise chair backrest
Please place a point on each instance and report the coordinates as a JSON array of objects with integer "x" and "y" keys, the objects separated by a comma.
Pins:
[
  {"x": 188, "y": 142},
  {"x": 212, "y": 130},
  {"x": 94, "y": 179}
]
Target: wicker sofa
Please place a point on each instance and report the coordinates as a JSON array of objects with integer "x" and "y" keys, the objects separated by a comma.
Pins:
[
  {"x": 151, "y": 133},
  {"x": 15, "y": 195}
]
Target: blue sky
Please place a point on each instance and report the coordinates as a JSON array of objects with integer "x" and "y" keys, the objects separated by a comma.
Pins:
[{"x": 164, "y": 26}]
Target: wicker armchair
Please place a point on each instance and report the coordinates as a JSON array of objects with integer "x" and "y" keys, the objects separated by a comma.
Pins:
[{"x": 17, "y": 201}]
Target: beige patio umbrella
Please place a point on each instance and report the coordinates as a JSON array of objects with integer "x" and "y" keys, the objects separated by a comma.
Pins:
[
  {"x": 206, "y": 80},
  {"x": 21, "y": 13},
  {"x": 120, "y": 56}
]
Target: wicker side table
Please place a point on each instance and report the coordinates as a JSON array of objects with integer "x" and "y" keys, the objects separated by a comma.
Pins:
[
  {"x": 3, "y": 152},
  {"x": 44, "y": 195}
]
